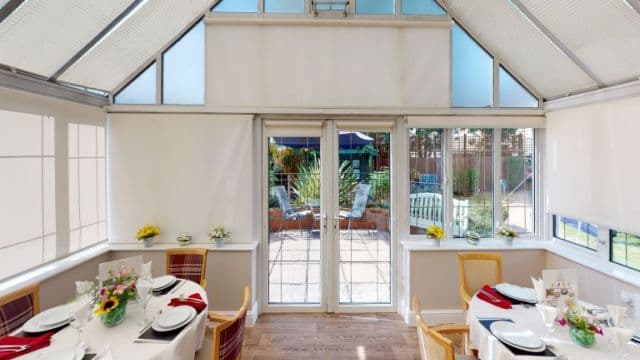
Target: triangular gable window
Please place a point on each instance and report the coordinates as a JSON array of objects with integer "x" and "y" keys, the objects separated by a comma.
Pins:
[
  {"x": 471, "y": 71},
  {"x": 236, "y": 6},
  {"x": 183, "y": 69},
  {"x": 513, "y": 94},
  {"x": 422, "y": 7},
  {"x": 141, "y": 90}
]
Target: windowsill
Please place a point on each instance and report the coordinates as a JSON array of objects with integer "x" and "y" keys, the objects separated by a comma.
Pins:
[
  {"x": 61, "y": 265},
  {"x": 456, "y": 244}
]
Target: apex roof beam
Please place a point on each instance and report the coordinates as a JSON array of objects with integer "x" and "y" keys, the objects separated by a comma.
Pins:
[
  {"x": 134, "y": 4},
  {"x": 8, "y": 8},
  {"x": 559, "y": 44},
  {"x": 634, "y": 4}
]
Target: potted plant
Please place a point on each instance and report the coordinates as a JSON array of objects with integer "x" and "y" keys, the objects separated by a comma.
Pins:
[
  {"x": 582, "y": 325},
  {"x": 147, "y": 233},
  {"x": 507, "y": 232},
  {"x": 218, "y": 233},
  {"x": 110, "y": 300},
  {"x": 435, "y": 232}
]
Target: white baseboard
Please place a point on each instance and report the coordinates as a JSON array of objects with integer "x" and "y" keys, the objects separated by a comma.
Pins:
[{"x": 436, "y": 316}]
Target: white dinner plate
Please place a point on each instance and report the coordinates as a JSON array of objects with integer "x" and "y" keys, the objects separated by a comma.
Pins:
[
  {"x": 162, "y": 282},
  {"x": 517, "y": 336},
  {"x": 174, "y": 318},
  {"x": 516, "y": 292},
  {"x": 67, "y": 353},
  {"x": 48, "y": 319}
]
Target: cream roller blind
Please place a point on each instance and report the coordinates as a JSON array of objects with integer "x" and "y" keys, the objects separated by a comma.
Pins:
[{"x": 476, "y": 121}]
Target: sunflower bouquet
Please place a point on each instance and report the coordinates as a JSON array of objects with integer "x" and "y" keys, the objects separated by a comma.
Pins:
[
  {"x": 435, "y": 231},
  {"x": 147, "y": 231},
  {"x": 111, "y": 299}
]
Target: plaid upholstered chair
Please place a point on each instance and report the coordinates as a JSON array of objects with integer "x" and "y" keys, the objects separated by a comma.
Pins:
[
  {"x": 188, "y": 263},
  {"x": 228, "y": 336},
  {"x": 18, "y": 307}
]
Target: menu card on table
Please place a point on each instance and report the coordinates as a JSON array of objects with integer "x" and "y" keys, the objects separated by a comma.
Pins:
[
  {"x": 560, "y": 286},
  {"x": 104, "y": 269}
]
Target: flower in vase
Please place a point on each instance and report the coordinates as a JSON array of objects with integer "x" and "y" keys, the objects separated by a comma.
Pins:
[{"x": 107, "y": 305}]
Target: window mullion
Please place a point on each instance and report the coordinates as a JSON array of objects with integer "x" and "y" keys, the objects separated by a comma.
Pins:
[
  {"x": 447, "y": 212},
  {"x": 497, "y": 174}
]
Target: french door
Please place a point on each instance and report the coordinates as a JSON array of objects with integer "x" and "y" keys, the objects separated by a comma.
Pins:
[{"x": 327, "y": 225}]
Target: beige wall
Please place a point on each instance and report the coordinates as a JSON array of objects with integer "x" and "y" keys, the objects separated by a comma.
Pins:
[
  {"x": 182, "y": 172},
  {"x": 254, "y": 62},
  {"x": 591, "y": 163},
  {"x": 434, "y": 275}
]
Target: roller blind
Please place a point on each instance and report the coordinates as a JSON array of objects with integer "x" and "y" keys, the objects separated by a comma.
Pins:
[{"x": 476, "y": 121}]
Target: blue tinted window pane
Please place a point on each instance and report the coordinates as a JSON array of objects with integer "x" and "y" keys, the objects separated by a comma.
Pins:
[
  {"x": 472, "y": 72},
  {"x": 284, "y": 6},
  {"x": 375, "y": 7},
  {"x": 142, "y": 90},
  {"x": 513, "y": 94},
  {"x": 183, "y": 69},
  {"x": 421, "y": 7},
  {"x": 236, "y": 6}
]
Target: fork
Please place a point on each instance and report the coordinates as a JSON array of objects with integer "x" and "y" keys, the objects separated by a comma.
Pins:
[
  {"x": 14, "y": 348},
  {"x": 489, "y": 295}
]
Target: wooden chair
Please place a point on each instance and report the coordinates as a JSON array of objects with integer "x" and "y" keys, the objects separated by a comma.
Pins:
[
  {"x": 18, "y": 307},
  {"x": 477, "y": 269},
  {"x": 434, "y": 345},
  {"x": 228, "y": 336},
  {"x": 188, "y": 263}
]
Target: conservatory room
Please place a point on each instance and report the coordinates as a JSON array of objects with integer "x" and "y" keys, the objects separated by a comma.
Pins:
[{"x": 319, "y": 179}]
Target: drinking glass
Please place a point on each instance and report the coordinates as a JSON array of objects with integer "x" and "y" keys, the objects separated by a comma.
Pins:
[
  {"x": 80, "y": 313},
  {"x": 549, "y": 315},
  {"x": 144, "y": 290}
]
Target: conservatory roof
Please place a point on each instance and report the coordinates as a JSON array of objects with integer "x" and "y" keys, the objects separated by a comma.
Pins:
[{"x": 557, "y": 47}]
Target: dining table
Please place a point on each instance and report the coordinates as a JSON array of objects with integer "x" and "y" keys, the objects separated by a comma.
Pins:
[
  {"x": 559, "y": 341},
  {"x": 121, "y": 341}
]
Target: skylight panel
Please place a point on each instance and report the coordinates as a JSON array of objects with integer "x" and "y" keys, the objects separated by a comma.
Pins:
[
  {"x": 183, "y": 69},
  {"x": 513, "y": 94},
  {"x": 141, "y": 90},
  {"x": 422, "y": 7},
  {"x": 472, "y": 71},
  {"x": 248, "y": 6}
]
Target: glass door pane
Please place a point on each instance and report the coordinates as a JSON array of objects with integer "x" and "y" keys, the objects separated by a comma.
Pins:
[
  {"x": 294, "y": 220},
  {"x": 364, "y": 186}
]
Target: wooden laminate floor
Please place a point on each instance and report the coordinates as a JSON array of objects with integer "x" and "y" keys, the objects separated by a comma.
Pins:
[{"x": 330, "y": 336}]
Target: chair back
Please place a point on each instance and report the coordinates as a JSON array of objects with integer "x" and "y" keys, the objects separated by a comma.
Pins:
[
  {"x": 188, "y": 263},
  {"x": 18, "y": 307},
  {"x": 360, "y": 200},
  {"x": 283, "y": 199},
  {"x": 230, "y": 335},
  {"x": 433, "y": 346},
  {"x": 477, "y": 269}
]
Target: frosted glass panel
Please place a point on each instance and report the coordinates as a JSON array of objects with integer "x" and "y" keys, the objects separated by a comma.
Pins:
[
  {"x": 89, "y": 235},
  {"x": 88, "y": 192},
  {"x": 102, "y": 192},
  {"x": 74, "y": 190},
  {"x": 87, "y": 139},
  {"x": 48, "y": 135},
  {"x": 183, "y": 69},
  {"x": 472, "y": 72},
  {"x": 15, "y": 261},
  {"x": 49, "y": 251},
  {"x": 421, "y": 7},
  {"x": 20, "y": 200},
  {"x": 284, "y": 6},
  {"x": 20, "y": 134},
  {"x": 74, "y": 240},
  {"x": 101, "y": 141},
  {"x": 375, "y": 7},
  {"x": 513, "y": 94},
  {"x": 49, "y": 187},
  {"x": 142, "y": 90},
  {"x": 236, "y": 6},
  {"x": 72, "y": 140}
]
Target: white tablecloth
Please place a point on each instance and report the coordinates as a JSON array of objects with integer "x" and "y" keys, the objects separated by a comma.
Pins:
[
  {"x": 489, "y": 348},
  {"x": 120, "y": 338}
]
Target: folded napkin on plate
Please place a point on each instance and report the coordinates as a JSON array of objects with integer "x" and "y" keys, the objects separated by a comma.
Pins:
[
  {"x": 34, "y": 344},
  {"x": 538, "y": 287},
  {"x": 486, "y": 293},
  {"x": 194, "y": 300}
]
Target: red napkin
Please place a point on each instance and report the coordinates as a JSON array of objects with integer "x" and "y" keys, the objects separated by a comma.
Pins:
[
  {"x": 36, "y": 343},
  {"x": 492, "y": 297},
  {"x": 194, "y": 300}
]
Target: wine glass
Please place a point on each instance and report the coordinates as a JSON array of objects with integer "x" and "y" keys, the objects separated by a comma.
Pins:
[
  {"x": 79, "y": 315},
  {"x": 144, "y": 289},
  {"x": 549, "y": 315}
]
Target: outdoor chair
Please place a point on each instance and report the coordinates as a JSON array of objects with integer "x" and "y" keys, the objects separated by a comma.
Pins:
[
  {"x": 477, "y": 269},
  {"x": 18, "y": 307},
  {"x": 288, "y": 212},
  {"x": 358, "y": 208}
]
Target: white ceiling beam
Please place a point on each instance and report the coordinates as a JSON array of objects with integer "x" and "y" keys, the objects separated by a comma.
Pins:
[
  {"x": 559, "y": 44},
  {"x": 8, "y": 8},
  {"x": 634, "y": 4}
]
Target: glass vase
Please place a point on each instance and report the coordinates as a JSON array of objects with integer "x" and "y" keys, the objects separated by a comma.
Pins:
[
  {"x": 582, "y": 337},
  {"x": 115, "y": 316}
]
